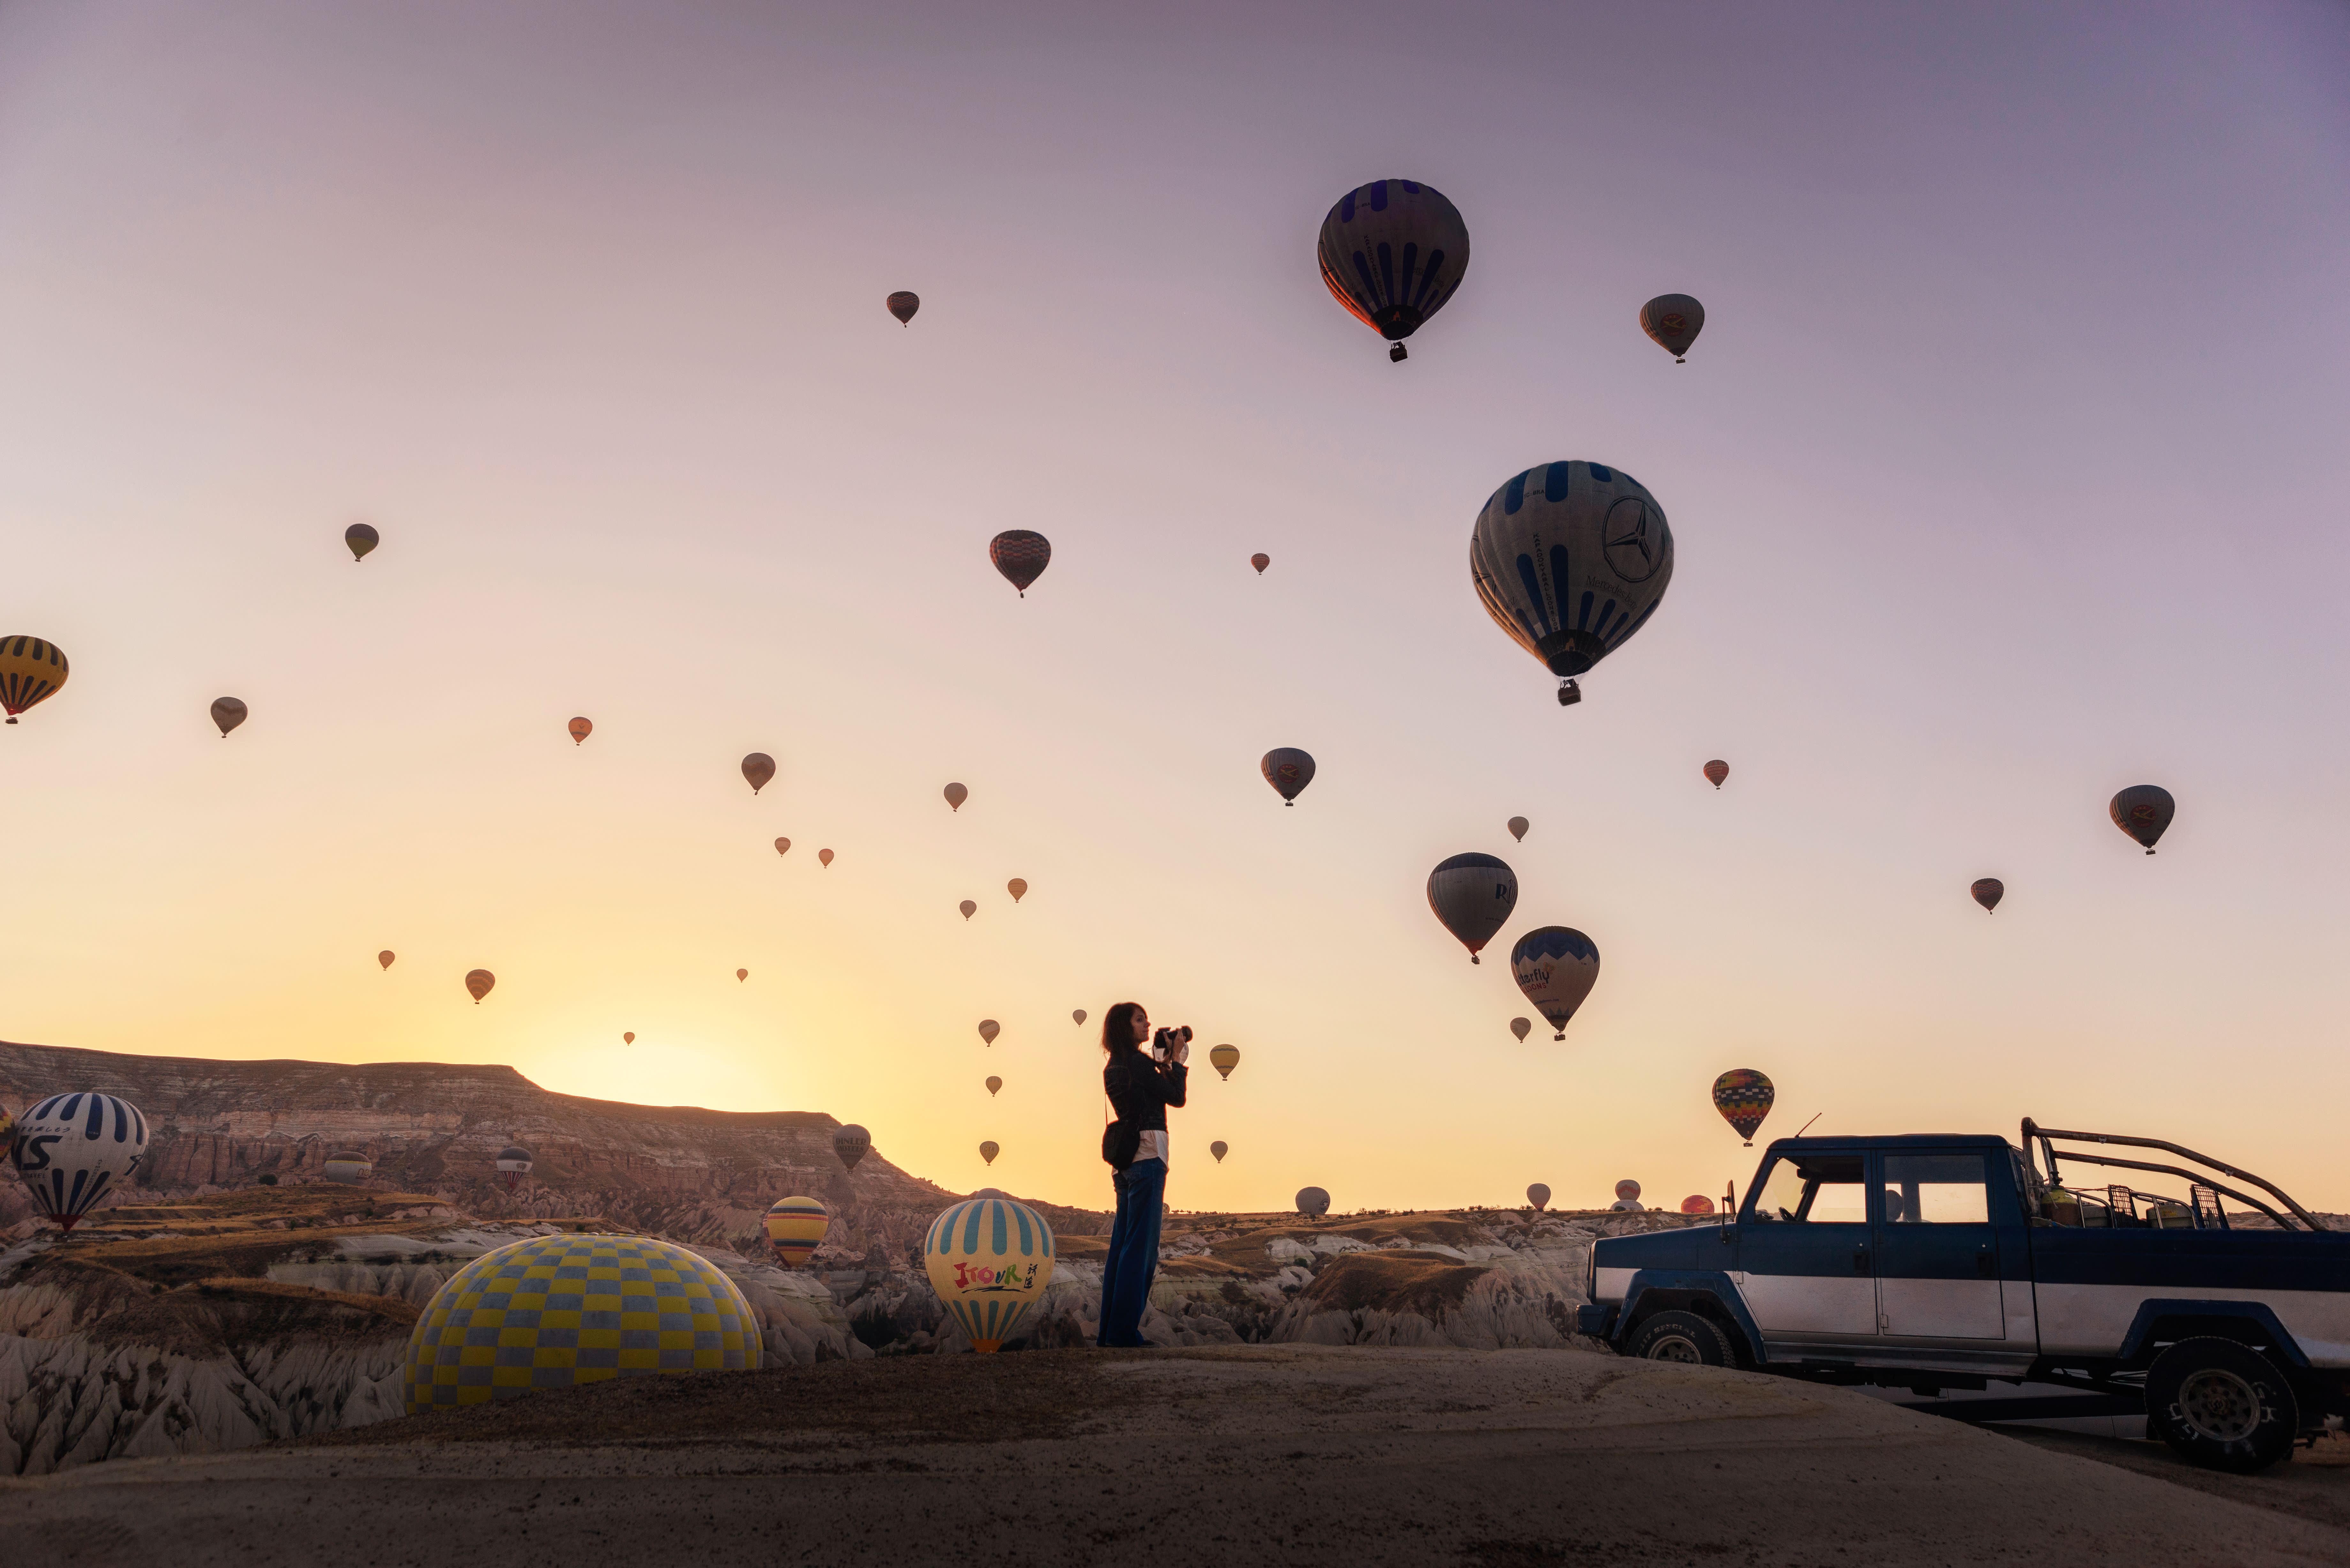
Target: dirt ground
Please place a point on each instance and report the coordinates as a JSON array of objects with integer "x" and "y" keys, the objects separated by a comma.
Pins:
[{"x": 1259, "y": 1455}]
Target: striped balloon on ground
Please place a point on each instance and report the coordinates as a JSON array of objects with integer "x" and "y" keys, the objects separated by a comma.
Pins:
[
  {"x": 554, "y": 1311},
  {"x": 74, "y": 1149},
  {"x": 988, "y": 1259},
  {"x": 795, "y": 1229},
  {"x": 350, "y": 1168}
]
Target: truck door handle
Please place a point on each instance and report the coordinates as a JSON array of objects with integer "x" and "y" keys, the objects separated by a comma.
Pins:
[
  {"x": 1860, "y": 1259},
  {"x": 1987, "y": 1265}
]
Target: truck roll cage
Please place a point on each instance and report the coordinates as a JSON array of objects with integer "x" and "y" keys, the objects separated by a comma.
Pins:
[{"x": 2045, "y": 1137}]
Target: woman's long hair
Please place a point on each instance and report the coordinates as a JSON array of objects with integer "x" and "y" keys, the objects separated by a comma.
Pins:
[{"x": 1117, "y": 1028}]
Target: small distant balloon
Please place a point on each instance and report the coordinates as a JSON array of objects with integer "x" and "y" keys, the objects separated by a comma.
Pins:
[
  {"x": 1313, "y": 1202},
  {"x": 824, "y": 857},
  {"x": 968, "y": 908},
  {"x": 993, "y": 1085},
  {"x": 989, "y": 1150},
  {"x": 989, "y": 1029},
  {"x": 850, "y": 1144},
  {"x": 1628, "y": 1188},
  {"x": 1288, "y": 771},
  {"x": 228, "y": 713},
  {"x": 1557, "y": 967},
  {"x": 1080, "y": 1016},
  {"x": 1744, "y": 1098},
  {"x": 1538, "y": 1195},
  {"x": 628, "y": 1037},
  {"x": 479, "y": 981},
  {"x": 757, "y": 769},
  {"x": 1472, "y": 896},
  {"x": 1260, "y": 561},
  {"x": 1021, "y": 555},
  {"x": 1518, "y": 825},
  {"x": 782, "y": 846},
  {"x": 1017, "y": 887},
  {"x": 902, "y": 305},
  {"x": 1697, "y": 1203},
  {"x": 1223, "y": 1059},
  {"x": 1220, "y": 1148},
  {"x": 1716, "y": 771},
  {"x": 385, "y": 957},
  {"x": 742, "y": 974},
  {"x": 580, "y": 730},
  {"x": 2143, "y": 811},
  {"x": 956, "y": 794},
  {"x": 31, "y": 671},
  {"x": 1987, "y": 892},
  {"x": 361, "y": 538},
  {"x": 1674, "y": 320},
  {"x": 1522, "y": 1027}
]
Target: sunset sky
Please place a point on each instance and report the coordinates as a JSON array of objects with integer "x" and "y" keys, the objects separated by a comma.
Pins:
[{"x": 2009, "y": 470}]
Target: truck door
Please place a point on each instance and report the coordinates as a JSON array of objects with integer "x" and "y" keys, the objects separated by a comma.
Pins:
[
  {"x": 1805, "y": 1262},
  {"x": 1937, "y": 1264}
]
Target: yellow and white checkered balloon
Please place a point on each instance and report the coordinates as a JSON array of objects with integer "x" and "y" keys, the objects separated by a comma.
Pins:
[{"x": 555, "y": 1311}]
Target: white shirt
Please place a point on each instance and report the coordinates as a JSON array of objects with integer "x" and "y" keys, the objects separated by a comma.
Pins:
[{"x": 1154, "y": 1140}]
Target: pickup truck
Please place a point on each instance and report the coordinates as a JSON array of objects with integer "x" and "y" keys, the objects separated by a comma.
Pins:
[{"x": 1933, "y": 1261}]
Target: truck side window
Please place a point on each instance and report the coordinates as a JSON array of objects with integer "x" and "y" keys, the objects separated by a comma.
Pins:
[
  {"x": 1936, "y": 1189},
  {"x": 1813, "y": 1189}
]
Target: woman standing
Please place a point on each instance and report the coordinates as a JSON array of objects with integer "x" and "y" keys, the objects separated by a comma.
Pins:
[{"x": 1140, "y": 1087}]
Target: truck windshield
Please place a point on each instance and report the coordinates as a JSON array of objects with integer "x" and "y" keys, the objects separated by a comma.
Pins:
[{"x": 1813, "y": 1189}]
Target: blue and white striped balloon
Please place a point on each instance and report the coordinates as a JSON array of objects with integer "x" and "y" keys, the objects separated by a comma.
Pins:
[
  {"x": 73, "y": 1150},
  {"x": 990, "y": 1260},
  {"x": 1571, "y": 558},
  {"x": 1392, "y": 252}
]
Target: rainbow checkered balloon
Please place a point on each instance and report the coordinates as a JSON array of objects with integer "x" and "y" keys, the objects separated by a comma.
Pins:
[
  {"x": 795, "y": 1228},
  {"x": 555, "y": 1311},
  {"x": 990, "y": 1260}
]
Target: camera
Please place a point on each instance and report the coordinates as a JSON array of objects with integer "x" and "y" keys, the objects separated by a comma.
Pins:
[{"x": 1163, "y": 1043}]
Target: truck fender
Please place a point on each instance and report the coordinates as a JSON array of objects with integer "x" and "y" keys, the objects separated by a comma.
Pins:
[
  {"x": 1667, "y": 1288},
  {"x": 2177, "y": 1318}
]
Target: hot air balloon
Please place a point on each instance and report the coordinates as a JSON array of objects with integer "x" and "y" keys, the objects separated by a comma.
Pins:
[
  {"x": 1223, "y": 1059},
  {"x": 1744, "y": 1098},
  {"x": 1312, "y": 1201},
  {"x": 1716, "y": 771},
  {"x": 628, "y": 1037},
  {"x": 1570, "y": 559},
  {"x": 989, "y": 1258},
  {"x": 989, "y": 1029},
  {"x": 1517, "y": 826},
  {"x": 1538, "y": 1195},
  {"x": 478, "y": 982},
  {"x": 2143, "y": 811},
  {"x": 956, "y": 794},
  {"x": 514, "y": 1304},
  {"x": 783, "y": 846},
  {"x": 1080, "y": 1016},
  {"x": 1472, "y": 895},
  {"x": 993, "y": 1085},
  {"x": 349, "y": 1168},
  {"x": 850, "y": 1144},
  {"x": 1555, "y": 966},
  {"x": 902, "y": 305},
  {"x": 228, "y": 713},
  {"x": 31, "y": 671},
  {"x": 1392, "y": 253},
  {"x": 968, "y": 908},
  {"x": 989, "y": 1149},
  {"x": 1987, "y": 892},
  {"x": 1522, "y": 1027},
  {"x": 1288, "y": 771},
  {"x": 1021, "y": 555},
  {"x": 757, "y": 769},
  {"x": 72, "y": 1150},
  {"x": 1017, "y": 887},
  {"x": 824, "y": 857},
  {"x": 795, "y": 1229},
  {"x": 514, "y": 1163},
  {"x": 361, "y": 538},
  {"x": 1220, "y": 1148},
  {"x": 580, "y": 730},
  {"x": 1627, "y": 1196},
  {"x": 1697, "y": 1203},
  {"x": 742, "y": 974},
  {"x": 385, "y": 957},
  {"x": 1674, "y": 320},
  {"x": 1260, "y": 561}
]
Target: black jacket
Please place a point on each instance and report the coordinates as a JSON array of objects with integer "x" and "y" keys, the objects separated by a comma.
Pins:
[{"x": 1140, "y": 1089}]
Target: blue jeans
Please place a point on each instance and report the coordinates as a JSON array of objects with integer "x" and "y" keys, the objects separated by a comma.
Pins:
[{"x": 1133, "y": 1253}]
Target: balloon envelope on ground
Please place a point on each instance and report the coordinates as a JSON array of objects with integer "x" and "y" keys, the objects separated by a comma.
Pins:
[
  {"x": 1288, "y": 771},
  {"x": 1570, "y": 559},
  {"x": 1557, "y": 967},
  {"x": 74, "y": 1150},
  {"x": 1697, "y": 1203},
  {"x": 350, "y": 1167},
  {"x": 1313, "y": 1202},
  {"x": 1538, "y": 1195},
  {"x": 795, "y": 1228},
  {"x": 1472, "y": 896},
  {"x": 2143, "y": 811},
  {"x": 548, "y": 1313},
  {"x": 1744, "y": 1098},
  {"x": 1392, "y": 252},
  {"x": 31, "y": 671},
  {"x": 989, "y": 1258}
]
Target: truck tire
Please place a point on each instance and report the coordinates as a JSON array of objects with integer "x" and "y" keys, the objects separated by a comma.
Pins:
[
  {"x": 2221, "y": 1405},
  {"x": 1681, "y": 1336}
]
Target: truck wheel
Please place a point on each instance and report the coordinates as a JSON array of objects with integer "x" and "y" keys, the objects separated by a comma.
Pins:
[
  {"x": 1681, "y": 1336},
  {"x": 2221, "y": 1405}
]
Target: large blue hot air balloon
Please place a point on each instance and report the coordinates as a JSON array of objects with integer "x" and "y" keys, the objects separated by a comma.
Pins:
[
  {"x": 1555, "y": 966},
  {"x": 1392, "y": 252},
  {"x": 1571, "y": 558},
  {"x": 1472, "y": 895}
]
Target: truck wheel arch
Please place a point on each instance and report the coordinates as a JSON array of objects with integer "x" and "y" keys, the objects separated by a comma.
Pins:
[
  {"x": 2161, "y": 1322},
  {"x": 1645, "y": 1301}
]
